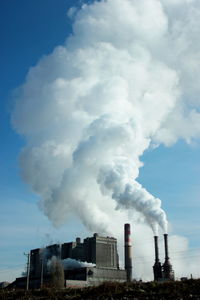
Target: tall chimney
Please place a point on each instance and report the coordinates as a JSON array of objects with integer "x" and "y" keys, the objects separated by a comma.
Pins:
[
  {"x": 166, "y": 247},
  {"x": 127, "y": 251},
  {"x": 156, "y": 248},
  {"x": 168, "y": 273},
  {"x": 157, "y": 269}
]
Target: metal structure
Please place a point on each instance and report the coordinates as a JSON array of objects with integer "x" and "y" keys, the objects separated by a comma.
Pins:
[{"x": 128, "y": 251}]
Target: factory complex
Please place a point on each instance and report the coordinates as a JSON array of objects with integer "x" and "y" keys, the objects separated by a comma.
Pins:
[{"x": 87, "y": 263}]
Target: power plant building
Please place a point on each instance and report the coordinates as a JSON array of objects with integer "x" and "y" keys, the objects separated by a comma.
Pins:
[{"x": 99, "y": 256}]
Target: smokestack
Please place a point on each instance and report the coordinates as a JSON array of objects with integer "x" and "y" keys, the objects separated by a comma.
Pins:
[
  {"x": 157, "y": 269},
  {"x": 156, "y": 248},
  {"x": 168, "y": 273},
  {"x": 127, "y": 251},
  {"x": 166, "y": 247}
]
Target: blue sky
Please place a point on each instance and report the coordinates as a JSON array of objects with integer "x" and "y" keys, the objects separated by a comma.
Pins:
[
  {"x": 173, "y": 175},
  {"x": 29, "y": 30}
]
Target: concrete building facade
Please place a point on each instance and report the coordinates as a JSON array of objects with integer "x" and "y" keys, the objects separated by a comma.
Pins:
[{"x": 100, "y": 251}]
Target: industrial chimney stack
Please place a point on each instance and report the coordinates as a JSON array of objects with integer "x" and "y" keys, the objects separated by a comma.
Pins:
[
  {"x": 157, "y": 268},
  {"x": 168, "y": 273},
  {"x": 127, "y": 251}
]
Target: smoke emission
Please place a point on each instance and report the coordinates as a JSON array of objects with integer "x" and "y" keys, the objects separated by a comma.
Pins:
[
  {"x": 56, "y": 272},
  {"x": 70, "y": 263},
  {"x": 123, "y": 82}
]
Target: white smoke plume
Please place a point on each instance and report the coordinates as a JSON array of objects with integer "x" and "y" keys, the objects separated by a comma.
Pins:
[
  {"x": 126, "y": 79},
  {"x": 70, "y": 263}
]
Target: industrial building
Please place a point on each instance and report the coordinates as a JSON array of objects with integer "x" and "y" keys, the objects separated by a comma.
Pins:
[
  {"x": 90, "y": 262},
  {"x": 98, "y": 250},
  {"x": 97, "y": 255}
]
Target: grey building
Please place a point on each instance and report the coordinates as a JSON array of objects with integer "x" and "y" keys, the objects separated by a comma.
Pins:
[
  {"x": 98, "y": 250},
  {"x": 101, "y": 251},
  {"x": 35, "y": 262},
  {"x": 93, "y": 276}
]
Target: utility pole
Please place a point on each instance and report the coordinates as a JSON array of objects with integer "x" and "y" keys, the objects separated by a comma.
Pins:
[
  {"x": 28, "y": 270},
  {"x": 42, "y": 271}
]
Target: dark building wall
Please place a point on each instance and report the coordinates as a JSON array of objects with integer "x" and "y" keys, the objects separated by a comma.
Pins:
[
  {"x": 78, "y": 252},
  {"x": 89, "y": 246},
  {"x": 48, "y": 253},
  {"x": 40, "y": 257},
  {"x": 66, "y": 250},
  {"x": 73, "y": 250},
  {"x": 76, "y": 274},
  {"x": 35, "y": 262},
  {"x": 53, "y": 250}
]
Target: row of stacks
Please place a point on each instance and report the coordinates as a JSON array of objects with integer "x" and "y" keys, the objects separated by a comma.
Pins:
[{"x": 165, "y": 271}]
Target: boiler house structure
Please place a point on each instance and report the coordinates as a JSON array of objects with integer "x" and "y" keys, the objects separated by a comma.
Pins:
[{"x": 98, "y": 254}]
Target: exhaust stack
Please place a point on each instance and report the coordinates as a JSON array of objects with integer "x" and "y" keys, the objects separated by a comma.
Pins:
[
  {"x": 127, "y": 251},
  {"x": 166, "y": 247},
  {"x": 156, "y": 248},
  {"x": 168, "y": 273},
  {"x": 157, "y": 269}
]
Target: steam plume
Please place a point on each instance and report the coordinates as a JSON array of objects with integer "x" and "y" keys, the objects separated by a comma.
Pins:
[
  {"x": 70, "y": 263},
  {"x": 89, "y": 110},
  {"x": 56, "y": 272}
]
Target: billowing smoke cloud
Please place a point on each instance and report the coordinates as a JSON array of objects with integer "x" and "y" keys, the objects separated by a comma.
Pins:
[{"x": 124, "y": 81}]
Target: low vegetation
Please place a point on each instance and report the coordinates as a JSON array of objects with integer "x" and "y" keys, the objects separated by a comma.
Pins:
[{"x": 178, "y": 290}]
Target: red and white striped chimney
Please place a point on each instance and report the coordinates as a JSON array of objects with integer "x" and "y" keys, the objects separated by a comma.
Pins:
[{"x": 127, "y": 251}]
